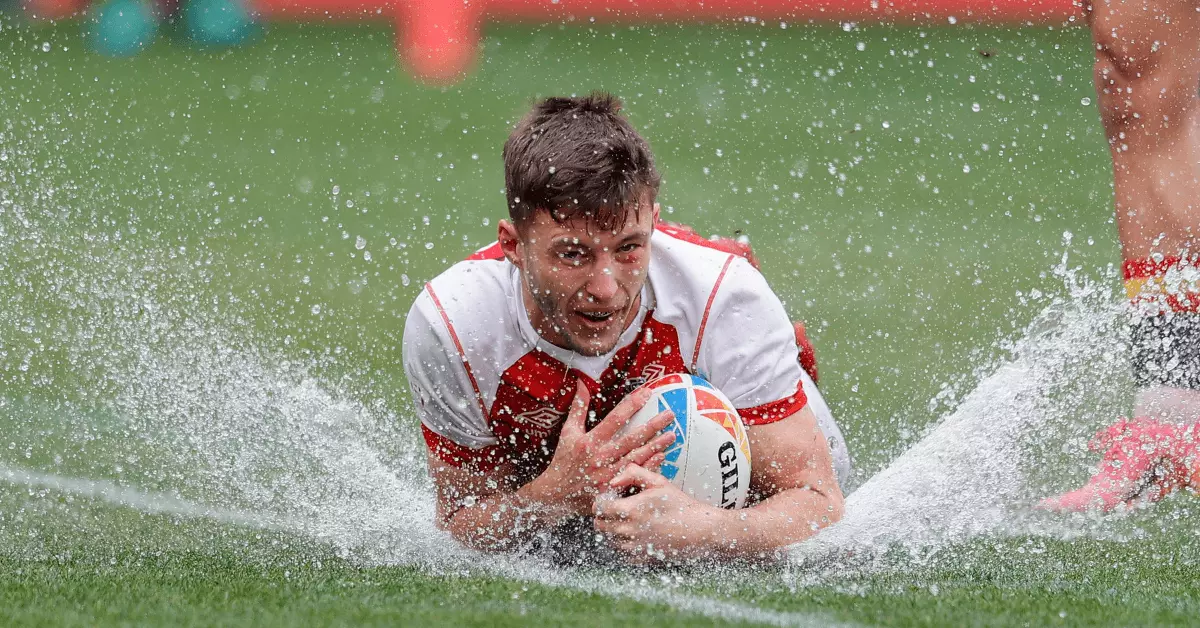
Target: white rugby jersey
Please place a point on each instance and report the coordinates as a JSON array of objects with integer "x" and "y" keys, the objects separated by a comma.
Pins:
[{"x": 488, "y": 388}]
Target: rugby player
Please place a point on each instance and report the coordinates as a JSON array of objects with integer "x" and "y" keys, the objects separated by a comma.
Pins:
[
  {"x": 525, "y": 361},
  {"x": 1147, "y": 77}
]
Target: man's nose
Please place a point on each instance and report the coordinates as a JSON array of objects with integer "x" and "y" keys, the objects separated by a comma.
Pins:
[{"x": 602, "y": 286}]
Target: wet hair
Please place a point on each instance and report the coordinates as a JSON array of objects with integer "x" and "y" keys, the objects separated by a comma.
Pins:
[{"x": 578, "y": 158}]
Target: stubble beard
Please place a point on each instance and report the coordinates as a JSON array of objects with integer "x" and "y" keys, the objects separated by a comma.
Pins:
[{"x": 559, "y": 320}]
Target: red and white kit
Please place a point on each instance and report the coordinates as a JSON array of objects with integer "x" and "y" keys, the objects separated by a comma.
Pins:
[{"x": 488, "y": 388}]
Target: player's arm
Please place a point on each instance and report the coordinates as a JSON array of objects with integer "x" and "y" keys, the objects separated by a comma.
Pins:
[
  {"x": 793, "y": 473},
  {"x": 481, "y": 510}
]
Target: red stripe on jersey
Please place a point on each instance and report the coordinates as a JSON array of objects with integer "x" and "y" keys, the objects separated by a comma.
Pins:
[
  {"x": 707, "y": 308},
  {"x": 776, "y": 410},
  {"x": 456, "y": 455},
  {"x": 457, "y": 345},
  {"x": 489, "y": 252}
]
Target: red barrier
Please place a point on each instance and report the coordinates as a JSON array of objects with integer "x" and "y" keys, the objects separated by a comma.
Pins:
[
  {"x": 53, "y": 9},
  {"x": 438, "y": 38}
]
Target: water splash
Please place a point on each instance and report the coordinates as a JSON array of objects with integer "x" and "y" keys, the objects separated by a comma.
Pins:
[{"x": 1016, "y": 437}]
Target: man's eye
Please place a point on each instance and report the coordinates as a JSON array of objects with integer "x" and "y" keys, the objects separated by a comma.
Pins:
[
  {"x": 629, "y": 248},
  {"x": 571, "y": 255}
]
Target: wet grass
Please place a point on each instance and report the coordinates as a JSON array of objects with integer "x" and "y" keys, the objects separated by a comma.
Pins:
[{"x": 1089, "y": 583}]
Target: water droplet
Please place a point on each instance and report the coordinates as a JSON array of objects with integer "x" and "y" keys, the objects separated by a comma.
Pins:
[
  {"x": 975, "y": 107},
  {"x": 45, "y": 46},
  {"x": 1085, "y": 101},
  {"x": 316, "y": 309}
]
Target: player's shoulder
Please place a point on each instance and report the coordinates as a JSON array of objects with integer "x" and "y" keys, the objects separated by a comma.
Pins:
[
  {"x": 687, "y": 271},
  {"x": 470, "y": 300}
]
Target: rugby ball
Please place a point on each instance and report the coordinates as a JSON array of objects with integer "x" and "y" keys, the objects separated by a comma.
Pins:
[{"x": 710, "y": 458}]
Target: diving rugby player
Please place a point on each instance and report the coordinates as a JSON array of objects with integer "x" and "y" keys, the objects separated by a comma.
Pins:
[
  {"x": 525, "y": 361},
  {"x": 1147, "y": 76}
]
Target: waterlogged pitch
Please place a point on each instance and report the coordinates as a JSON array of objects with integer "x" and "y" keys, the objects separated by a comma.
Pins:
[{"x": 206, "y": 258}]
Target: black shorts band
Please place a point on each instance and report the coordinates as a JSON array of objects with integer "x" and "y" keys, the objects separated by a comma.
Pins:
[{"x": 1166, "y": 350}]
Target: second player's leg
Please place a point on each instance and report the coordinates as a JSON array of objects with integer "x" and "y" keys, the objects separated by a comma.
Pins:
[{"x": 1147, "y": 76}]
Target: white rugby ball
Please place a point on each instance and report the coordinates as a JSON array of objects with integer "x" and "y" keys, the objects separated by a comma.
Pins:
[{"x": 710, "y": 458}]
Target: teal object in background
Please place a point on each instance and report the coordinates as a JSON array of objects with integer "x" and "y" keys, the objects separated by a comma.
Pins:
[
  {"x": 120, "y": 28},
  {"x": 219, "y": 22}
]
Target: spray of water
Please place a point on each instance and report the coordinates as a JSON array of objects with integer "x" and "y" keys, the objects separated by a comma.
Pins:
[{"x": 1016, "y": 437}]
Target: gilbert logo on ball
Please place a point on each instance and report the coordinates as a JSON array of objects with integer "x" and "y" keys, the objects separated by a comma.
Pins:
[{"x": 710, "y": 458}]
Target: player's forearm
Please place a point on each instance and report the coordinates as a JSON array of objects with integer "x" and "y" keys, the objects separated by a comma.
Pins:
[
  {"x": 788, "y": 517},
  {"x": 503, "y": 521}
]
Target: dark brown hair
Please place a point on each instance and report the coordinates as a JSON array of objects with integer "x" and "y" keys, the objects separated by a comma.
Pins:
[{"x": 578, "y": 157}]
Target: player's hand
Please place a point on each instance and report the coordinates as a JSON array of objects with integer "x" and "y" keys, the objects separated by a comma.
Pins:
[
  {"x": 660, "y": 523},
  {"x": 585, "y": 461}
]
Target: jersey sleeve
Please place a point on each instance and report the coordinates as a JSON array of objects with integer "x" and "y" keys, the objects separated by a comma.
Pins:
[
  {"x": 443, "y": 391},
  {"x": 747, "y": 347}
]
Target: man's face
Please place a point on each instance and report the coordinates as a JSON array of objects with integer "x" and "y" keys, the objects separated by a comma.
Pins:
[{"x": 582, "y": 284}]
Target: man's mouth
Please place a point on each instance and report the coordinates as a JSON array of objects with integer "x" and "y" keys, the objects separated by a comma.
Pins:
[{"x": 596, "y": 318}]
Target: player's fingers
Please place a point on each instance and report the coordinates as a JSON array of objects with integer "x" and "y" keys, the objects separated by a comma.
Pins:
[
  {"x": 643, "y": 434},
  {"x": 617, "y": 530},
  {"x": 639, "y": 437},
  {"x": 621, "y": 414},
  {"x": 636, "y": 476},
  {"x": 655, "y": 462},
  {"x": 576, "y": 423},
  {"x": 611, "y": 507},
  {"x": 641, "y": 455}
]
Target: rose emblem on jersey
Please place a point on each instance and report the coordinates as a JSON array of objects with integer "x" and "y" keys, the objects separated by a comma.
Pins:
[{"x": 540, "y": 418}]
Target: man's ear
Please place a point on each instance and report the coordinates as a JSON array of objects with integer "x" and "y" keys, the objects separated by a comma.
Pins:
[
  {"x": 510, "y": 242},
  {"x": 657, "y": 212}
]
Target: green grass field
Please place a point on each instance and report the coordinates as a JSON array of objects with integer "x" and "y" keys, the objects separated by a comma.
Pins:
[{"x": 208, "y": 256}]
